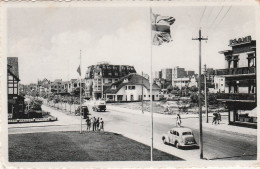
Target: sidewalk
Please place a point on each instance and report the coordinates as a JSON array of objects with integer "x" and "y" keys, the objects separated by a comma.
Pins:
[{"x": 222, "y": 126}]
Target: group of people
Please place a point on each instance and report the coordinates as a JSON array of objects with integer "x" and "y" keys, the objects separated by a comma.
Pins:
[
  {"x": 95, "y": 123},
  {"x": 216, "y": 118}
]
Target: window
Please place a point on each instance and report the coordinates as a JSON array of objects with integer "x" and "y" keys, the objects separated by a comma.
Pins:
[
  {"x": 149, "y": 96},
  {"x": 221, "y": 84},
  {"x": 144, "y": 95},
  {"x": 116, "y": 80},
  {"x": 186, "y": 133},
  {"x": 109, "y": 80},
  {"x": 125, "y": 87},
  {"x": 221, "y": 79},
  {"x": 157, "y": 95},
  {"x": 177, "y": 133},
  {"x": 174, "y": 132},
  {"x": 131, "y": 87},
  {"x": 109, "y": 74}
]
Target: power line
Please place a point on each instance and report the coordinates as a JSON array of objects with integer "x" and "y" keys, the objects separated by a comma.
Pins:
[
  {"x": 223, "y": 16},
  {"x": 216, "y": 17},
  {"x": 203, "y": 14}
]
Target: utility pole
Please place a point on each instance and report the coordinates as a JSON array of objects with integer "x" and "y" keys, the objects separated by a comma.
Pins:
[
  {"x": 142, "y": 93},
  {"x": 200, "y": 38},
  {"x": 205, "y": 92}
]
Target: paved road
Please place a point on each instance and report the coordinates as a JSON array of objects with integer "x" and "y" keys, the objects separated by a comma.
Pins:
[{"x": 218, "y": 144}]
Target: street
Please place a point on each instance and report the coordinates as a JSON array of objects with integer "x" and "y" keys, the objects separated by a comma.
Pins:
[{"x": 218, "y": 143}]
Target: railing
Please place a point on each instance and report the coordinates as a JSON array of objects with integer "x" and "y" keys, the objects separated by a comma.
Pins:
[
  {"x": 236, "y": 96},
  {"x": 235, "y": 71}
]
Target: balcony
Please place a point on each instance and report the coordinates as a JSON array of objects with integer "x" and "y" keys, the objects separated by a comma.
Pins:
[
  {"x": 246, "y": 97},
  {"x": 235, "y": 71}
]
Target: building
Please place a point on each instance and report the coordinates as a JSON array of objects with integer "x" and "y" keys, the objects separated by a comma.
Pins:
[
  {"x": 219, "y": 83},
  {"x": 157, "y": 74},
  {"x": 182, "y": 78},
  {"x": 178, "y": 72},
  {"x": 43, "y": 86},
  {"x": 99, "y": 77},
  {"x": 15, "y": 101},
  {"x": 181, "y": 82},
  {"x": 240, "y": 82},
  {"x": 132, "y": 88},
  {"x": 56, "y": 86},
  {"x": 167, "y": 74},
  {"x": 193, "y": 80}
]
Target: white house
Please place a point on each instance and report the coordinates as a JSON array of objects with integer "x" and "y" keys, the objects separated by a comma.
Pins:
[
  {"x": 219, "y": 82},
  {"x": 130, "y": 87}
]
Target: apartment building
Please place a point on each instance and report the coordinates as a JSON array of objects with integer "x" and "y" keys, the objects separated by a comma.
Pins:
[
  {"x": 240, "y": 82},
  {"x": 99, "y": 77}
]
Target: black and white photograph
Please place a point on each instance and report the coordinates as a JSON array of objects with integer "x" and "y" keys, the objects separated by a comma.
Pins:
[{"x": 102, "y": 82}]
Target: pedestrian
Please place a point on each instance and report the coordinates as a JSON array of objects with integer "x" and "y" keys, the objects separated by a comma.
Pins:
[
  {"x": 178, "y": 120},
  {"x": 94, "y": 124},
  {"x": 88, "y": 124},
  {"x": 214, "y": 118},
  {"x": 101, "y": 125},
  {"x": 97, "y": 124},
  {"x": 218, "y": 117}
]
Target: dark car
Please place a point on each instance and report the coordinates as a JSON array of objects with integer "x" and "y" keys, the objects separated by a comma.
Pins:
[{"x": 85, "y": 111}]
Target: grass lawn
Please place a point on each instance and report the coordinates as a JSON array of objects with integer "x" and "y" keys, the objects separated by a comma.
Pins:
[{"x": 73, "y": 146}]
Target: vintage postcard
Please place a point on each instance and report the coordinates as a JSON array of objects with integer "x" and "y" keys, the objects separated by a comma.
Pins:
[{"x": 129, "y": 84}]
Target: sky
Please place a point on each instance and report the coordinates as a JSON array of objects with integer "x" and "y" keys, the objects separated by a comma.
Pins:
[{"x": 47, "y": 41}]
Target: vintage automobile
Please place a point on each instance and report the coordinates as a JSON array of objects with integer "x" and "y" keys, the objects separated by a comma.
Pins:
[
  {"x": 99, "y": 105},
  {"x": 84, "y": 110},
  {"x": 180, "y": 137}
]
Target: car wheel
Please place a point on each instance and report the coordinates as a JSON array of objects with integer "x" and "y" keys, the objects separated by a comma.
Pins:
[
  {"x": 164, "y": 140},
  {"x": 177, "y": 145}
]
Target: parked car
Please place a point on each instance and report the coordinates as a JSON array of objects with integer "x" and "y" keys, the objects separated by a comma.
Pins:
[{"x": 180, "y": 137}]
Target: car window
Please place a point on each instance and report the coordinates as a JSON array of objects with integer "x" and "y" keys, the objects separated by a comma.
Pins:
[
  {"x": 186, "y": 133},
  {"x": 177, "y": 133}
]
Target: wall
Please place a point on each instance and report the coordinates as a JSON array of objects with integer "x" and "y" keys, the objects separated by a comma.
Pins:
[{"x": 243, "y": 62}]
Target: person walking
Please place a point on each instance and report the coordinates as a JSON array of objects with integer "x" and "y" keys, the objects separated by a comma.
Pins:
[
  {"x": 214, "y": 118},
  {"x": 178, "y": 120},
  {"x": 97, "y": 124},
  {"x": 101, "y": 125},
  {"x": 88, "y": 124},
  {"x": 218, "y": 117},
  {"x": 94, "y": 124}
]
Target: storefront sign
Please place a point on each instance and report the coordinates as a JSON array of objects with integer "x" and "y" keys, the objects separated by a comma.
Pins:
[{"x": 240, "y": 40}]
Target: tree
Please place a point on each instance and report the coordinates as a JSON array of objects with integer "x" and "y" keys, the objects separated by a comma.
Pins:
[
  {"x": 194, "y": 89},
  {"x": 169, "y": 88}
]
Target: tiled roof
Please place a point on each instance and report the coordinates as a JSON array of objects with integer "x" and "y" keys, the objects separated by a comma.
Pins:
[{"x": 133, "y": 79}]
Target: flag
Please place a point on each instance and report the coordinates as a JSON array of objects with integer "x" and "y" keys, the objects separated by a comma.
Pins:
[
  {"x": 78, "y": 70},
  {"x": 161, "y": 29}
]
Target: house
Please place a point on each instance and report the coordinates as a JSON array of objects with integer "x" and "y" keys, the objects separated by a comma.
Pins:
[
  {"x": 15, "y": 101},
  {"x": 43, "y": 85},
  {"x": 99, "y": 77},
  {"x": 132, "y": 87},
  {"x": 240, "y": 82}
]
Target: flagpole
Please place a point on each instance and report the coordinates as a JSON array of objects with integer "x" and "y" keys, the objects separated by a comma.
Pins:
[
  {"x": 80, "y": 95},
  {"x": 151, "y": 88}
]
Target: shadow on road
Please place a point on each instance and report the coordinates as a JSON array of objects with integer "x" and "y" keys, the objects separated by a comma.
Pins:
[
  {"x": 231, "y": 157},
  {"x": 184, "y": 148}
]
